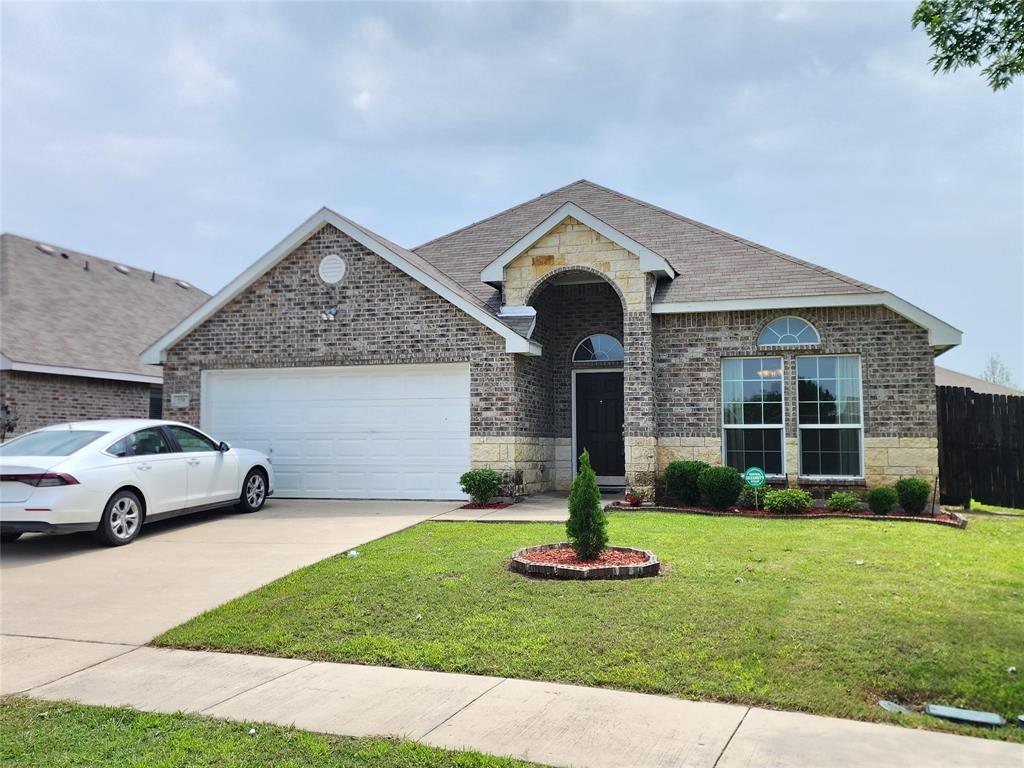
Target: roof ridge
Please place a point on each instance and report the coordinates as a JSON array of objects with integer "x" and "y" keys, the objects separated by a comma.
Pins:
[
  {"x": 736, "y": 238},
  {"x": 499, "y": 213},
  {"x": 74, "y": 251}
]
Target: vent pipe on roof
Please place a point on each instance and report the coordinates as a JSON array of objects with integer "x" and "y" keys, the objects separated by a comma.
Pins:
[
  {"x": 86, "y": 267},
  {"x": 122, "y": 269},
  {"x": 152, "y": 278},
  {"x": 44, "y": 248},
  {"x": 182, "y": 284}
]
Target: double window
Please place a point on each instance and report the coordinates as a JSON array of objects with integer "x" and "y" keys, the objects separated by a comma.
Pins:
[
  {"x": 829, "y": 414},
  {"x": 752, "y": 413}
]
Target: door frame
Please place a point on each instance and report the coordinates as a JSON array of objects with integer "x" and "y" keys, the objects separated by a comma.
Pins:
[{"x": 602, "y": 479}]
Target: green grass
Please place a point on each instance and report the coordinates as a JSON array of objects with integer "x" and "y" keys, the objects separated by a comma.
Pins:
[
  {"x": 977, "y": 506},
  {"x": 770, "y": 612},
  {"x": 47, "y": 734}
]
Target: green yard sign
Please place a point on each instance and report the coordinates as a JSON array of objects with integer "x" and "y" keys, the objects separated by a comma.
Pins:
[{"x": 754, "y": 477}]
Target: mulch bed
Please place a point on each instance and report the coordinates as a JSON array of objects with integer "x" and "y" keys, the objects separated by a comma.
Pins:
[
  {"x": 566, "y": 556},
  {"x": 950, "y": 519},
  {"x": 492, "y": 505}
]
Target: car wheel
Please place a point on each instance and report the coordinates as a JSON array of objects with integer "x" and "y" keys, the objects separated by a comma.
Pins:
[
  {"x": 9, "y": 536},
  {"x": 254, "y": 492},
  {"x": 122, "y": 519}
]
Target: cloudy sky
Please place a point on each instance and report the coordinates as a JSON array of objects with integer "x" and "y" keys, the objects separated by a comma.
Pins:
[{"x": 189, "y": 137}]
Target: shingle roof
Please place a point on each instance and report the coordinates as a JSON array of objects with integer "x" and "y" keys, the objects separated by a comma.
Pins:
[
  {"x": 54, "y": 312},
  {"x": 712, "y": 264},
  {"x": 944, "y": 377}
]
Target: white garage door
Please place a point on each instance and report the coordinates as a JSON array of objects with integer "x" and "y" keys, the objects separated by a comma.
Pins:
[{"x": 373, "y": 432}]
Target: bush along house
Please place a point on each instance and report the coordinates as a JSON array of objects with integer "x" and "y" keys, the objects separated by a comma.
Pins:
[{"x": 580, "y": 319}]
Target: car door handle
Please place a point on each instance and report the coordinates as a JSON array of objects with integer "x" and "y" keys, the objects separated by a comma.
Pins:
[
  {"x": 143, "y": 467},
  {"x": 193, "y": 462}
]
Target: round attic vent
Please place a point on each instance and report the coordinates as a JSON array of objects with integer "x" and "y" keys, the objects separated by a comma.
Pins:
[
  {"x": 122, "y": 269},
  {"x": 332, "y": 268},
  {"x": 44, "y": 248},
  {"x": 182, "y": 284}
]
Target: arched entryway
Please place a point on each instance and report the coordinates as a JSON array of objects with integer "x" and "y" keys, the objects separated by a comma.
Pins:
[{"x": 579, "y": 323}]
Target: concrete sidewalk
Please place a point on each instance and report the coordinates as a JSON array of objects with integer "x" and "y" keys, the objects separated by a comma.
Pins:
[{"x": 559, "y": 725}]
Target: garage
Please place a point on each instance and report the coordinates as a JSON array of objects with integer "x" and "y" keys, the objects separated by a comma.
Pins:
[{"x": 357, "y": 432}]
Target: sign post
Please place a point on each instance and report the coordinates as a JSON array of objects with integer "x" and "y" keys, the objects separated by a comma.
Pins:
[{"x": 755, "y": 478}]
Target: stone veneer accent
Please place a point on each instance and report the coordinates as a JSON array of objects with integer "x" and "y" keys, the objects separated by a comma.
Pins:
[{"x": 41, "y": 399}]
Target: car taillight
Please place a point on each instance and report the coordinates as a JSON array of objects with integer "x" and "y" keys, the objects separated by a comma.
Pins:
[{"x": 44, "y": 480}]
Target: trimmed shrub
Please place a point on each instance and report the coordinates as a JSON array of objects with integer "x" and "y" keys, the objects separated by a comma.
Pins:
[
  {"x": 481, "y": 484},
  {"x": 788, "y": 501},
  {"x": 681, "y": 481},
  {"x": 752, "y": 498},
  {"x": 720, "y": 486},
  {"x": 586, "y": 526},
  {"x": 913, "y": 494},
  {"x": 843, "y": 501},
  {"x": 882, "y": 500}
]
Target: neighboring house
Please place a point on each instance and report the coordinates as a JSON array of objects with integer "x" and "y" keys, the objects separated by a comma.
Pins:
[
  {"x": 72, "y": 327},
  {"x": 947, "y": 378},
  {"x": 582, "y": 318}
]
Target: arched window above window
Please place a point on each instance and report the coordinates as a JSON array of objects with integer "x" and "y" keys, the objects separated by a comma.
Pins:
[
  {"x": 788, "y": 331},
  {"x": 598, "y": 348}
]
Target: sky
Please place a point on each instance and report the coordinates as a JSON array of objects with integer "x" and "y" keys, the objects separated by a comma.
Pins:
[{"x": 190, "y": 138}]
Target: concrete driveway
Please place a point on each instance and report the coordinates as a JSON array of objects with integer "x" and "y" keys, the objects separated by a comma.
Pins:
[{"x": 67, "y": 603}]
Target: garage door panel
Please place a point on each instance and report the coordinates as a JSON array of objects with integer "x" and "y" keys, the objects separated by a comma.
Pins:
[{"x": 355, "y": 432}]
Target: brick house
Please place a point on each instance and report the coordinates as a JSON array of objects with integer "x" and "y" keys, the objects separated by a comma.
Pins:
[
  {"x": 72, "y": 327},
  {"x": 581, "y": 318}
]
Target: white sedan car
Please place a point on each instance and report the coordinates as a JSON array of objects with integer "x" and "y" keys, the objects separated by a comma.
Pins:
[{"x": 112, "y": 476}]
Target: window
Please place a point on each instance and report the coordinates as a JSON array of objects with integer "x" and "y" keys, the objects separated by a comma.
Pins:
[
  {"x": 599, "y": 347},
  {"x": 829, "y": 414},
  {"x": 788, "y": 331},
  {"x": 752, "y": 413},
  {"x": 191, "y": 441},
  {"x": 147, "y": 442},
  {"x": 156, "y": 402},
  {"x": 119, "y": 449},
  {"x": 50, "y": 442}
]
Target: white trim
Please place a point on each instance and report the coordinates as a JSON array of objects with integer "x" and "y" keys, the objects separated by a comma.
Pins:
[
  {"x": 797, "y": 345},
  {"x": 940, "y": 334},
  {"x": 650, "y": 261},
  {"x": 721, "y": 411},
  {"x": 575, "y": 455},
  {"x": 6, "y": 364},
  {"x": 517, "y": 312},
  {"x": 587, "y": 338},
  {"x": 858, "y": 426},
  {"x": 156, "y": 353}
]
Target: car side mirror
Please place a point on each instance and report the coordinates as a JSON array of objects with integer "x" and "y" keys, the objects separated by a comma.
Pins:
[{"x": 223, "y": 447}]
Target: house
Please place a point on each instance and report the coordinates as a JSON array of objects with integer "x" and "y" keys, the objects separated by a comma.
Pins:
[
  {"x": 581, "y": 318},
  {"x": 944, "y": 377},
  {"x": 72, "y": 327}
]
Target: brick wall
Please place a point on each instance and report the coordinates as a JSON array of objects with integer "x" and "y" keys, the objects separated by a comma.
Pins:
[{"x": 40, "y": 399}]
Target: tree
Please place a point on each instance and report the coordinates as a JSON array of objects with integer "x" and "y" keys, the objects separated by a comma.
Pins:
[
  {"x": 586, "y": 526},
  {"x": 967, "y": 33},
  {"x": 996, "y": 372}
]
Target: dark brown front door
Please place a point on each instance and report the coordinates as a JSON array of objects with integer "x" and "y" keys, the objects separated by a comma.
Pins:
[{"x": 599, "y": 416}]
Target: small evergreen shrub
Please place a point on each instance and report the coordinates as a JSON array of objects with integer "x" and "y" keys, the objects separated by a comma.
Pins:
[
  {"x": 482, "y": 485},
  {"x": 913, "y": 494},
  {"x": 586, "y": 525},
  {"x": 752, "y": 498},
  {"x": 843, "y": 501},
  {"x": 681, "y": 481},
  {"x": 882, "y": 500},
  {"x": 720, "y": 486},
  {"x": 788, "y": 501}
]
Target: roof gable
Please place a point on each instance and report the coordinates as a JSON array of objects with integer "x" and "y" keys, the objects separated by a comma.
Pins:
[
  {"x": 70, "y": 313},
  {"x": 413, "y": 265}
]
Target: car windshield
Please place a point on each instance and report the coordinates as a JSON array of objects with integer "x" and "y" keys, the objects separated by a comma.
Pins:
[{"x": 50, "y": 442}]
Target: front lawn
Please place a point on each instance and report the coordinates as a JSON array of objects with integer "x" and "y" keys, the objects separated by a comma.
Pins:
[
  {"x": 43, "y": 734},
  {"x": 825, "y": 616}
]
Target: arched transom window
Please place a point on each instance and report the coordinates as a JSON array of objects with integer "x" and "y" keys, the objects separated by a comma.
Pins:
[
  {"x": 599, "y": 347},
  {"x": 788, "y": 331}
]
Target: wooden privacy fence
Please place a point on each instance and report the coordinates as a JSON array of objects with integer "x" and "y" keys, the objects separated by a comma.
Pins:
[{"x": 981, "y": 447}]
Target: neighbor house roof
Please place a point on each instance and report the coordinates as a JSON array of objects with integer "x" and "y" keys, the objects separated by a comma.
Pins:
[
  {"x": 947, "y": 378},
  {"x": 62, "y": 311},
  {"x": 714, "y": 269}
]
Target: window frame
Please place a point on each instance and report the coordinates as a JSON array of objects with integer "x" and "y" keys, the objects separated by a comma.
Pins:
[
  {"x": 859, "y": 426},
  {"x": 721, "y": 411},
  {"x": 131, "y": 447},
  {"x": 590, "y": 336},
  {"x": 787, "y": 345}
]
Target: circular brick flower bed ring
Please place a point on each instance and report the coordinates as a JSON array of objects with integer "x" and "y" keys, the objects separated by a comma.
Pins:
[{"x": 558, "y": 561}]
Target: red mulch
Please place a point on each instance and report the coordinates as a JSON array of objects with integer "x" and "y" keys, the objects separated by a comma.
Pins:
[
  {"x": 492, "y": 505},
  {"x": 565, "y": 556},
  {"x": 815, "y": 513}
]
